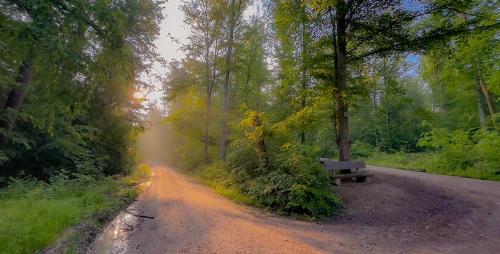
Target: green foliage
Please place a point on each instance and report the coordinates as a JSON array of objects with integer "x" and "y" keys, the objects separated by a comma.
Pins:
[
  {"x": 390, "y": 116},
  {"x": 471, "y": 154},
  {"x": 296, "y": 185},
  {"x": 243, "y": 156},
  {"x": 186, "y": 112},
  {"x": 292, "y": 182},
  {"x": 139, "y": 174},
  {"x": 225, "y": 182},
  {"x": 453, "y": 144},
  {"x": 76, "y": 110},
  {"x": 460, "y": 150},
  {"x": 35, "y": 213},
  {"x": 361, "y": 149}
]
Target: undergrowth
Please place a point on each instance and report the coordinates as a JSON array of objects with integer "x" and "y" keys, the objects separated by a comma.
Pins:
[
  {"x": 428, "y": 162},
  {"x": 296, "y": 187},
  {"x": 34, "y": 214},
  {"x": 472, "y": 154}
]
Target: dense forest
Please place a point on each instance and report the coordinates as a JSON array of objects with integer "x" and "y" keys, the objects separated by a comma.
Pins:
[
  {"x": 68, "y": 117},
  {"x": 69, "y": 70},
  {"x": 257, "y": 99}
]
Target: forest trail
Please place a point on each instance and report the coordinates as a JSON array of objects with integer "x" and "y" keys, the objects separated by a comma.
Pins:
[{"x": 395, "y": 212}]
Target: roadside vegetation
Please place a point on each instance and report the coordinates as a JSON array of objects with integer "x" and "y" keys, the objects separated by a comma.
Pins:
[
  {"x": 472, "y": 154},
  {"x": 35, "y": 214},
  {"x": 68, "y": 115},
  {"x": 224, "y": 182},
  {"x": 291, "y": 184}
]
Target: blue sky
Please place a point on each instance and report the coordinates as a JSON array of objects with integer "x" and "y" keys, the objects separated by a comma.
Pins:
[{"x": 414, "y": 59}]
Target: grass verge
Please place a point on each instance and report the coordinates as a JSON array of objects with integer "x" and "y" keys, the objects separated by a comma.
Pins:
[
  {"x": 232, "y": 194},
  {"x": 36, "y": 214},
  {"x": 429, "y": 162}
]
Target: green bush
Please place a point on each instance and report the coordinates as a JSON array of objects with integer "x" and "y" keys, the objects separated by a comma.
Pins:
[
  {"x": 225, "y": 182},
  {"x": 360, "y": 149},
  {"x": 471, "y": 154},
  {"x": 461, "y": 150},
  {"x": 140, "y": 174},
  {"x": 217, "y": 174},
  {"x": 486, "y": 155},
  {"x": 77, "y": 148},
  {"x": 260, "y": 169},
  {"x": 298, "y": 184},
  {"x": 286, "y": 193},
  {"x": 243, "y": 156},
  {"x": 454, "y": 148},
  {"x": 294, "y": 184}
]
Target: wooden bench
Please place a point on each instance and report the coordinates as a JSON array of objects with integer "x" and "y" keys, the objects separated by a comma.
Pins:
[{"x": 345, "y": 170}]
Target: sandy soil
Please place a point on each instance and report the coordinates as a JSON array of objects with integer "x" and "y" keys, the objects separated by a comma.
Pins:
[{"x": 394, "y": 212}]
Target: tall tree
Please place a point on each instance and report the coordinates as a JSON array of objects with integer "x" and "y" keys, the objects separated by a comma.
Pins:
[
  {"x": 250, "y": 72},
  {"x": 235, "y": 9},
  {"x": 360, "y": 29},
  {"x": 293, "y": 21},
  {"x": 205, "y": 19}
]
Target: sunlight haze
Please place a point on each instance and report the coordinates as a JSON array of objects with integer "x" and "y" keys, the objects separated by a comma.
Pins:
[{"x": 173, "y": 35}]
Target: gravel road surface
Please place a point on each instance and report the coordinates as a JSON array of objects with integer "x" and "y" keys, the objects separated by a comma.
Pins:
[{"x": 394, "y": 212}]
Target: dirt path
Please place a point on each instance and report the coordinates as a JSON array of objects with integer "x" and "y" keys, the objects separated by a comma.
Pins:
[{"x": 395, "y": 212}]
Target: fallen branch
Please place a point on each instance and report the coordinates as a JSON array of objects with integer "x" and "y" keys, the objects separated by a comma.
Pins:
[{"x": 139, "y": 215}]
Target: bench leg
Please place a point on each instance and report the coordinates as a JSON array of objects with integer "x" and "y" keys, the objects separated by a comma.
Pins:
[
  {"x": 361, "y": 179},
  {"x": 336, "y": 182}
]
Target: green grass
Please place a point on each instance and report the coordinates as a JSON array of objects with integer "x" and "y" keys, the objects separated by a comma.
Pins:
[
  {"x": 430, "y": 162},
  {"x": 34, "y": 214},
  {"x": 231, "y": 193},
  {"x": 223, "y": 182}
]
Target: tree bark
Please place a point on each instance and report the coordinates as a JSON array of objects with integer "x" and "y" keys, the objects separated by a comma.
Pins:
[
  {"x": 260, "y": 145},
  {"x": 16, "y": 97},
  {"x": 207, "y": 109},
  {"x": 441, "y": 92},
  {"x": 343, "y": 141},
  {"x": 374, "y": 117},
  {"x": 304, "y": 87},
  {"x": 223, "y": 137},
  {"x": 303, "y": 70},
  {"x": 480, "y": 107},
  {"x": 489, "y": 99}
]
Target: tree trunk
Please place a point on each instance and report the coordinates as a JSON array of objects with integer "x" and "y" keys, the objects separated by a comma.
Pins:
[
  {"x": 480, "y": 107},
  {"x": 304, "y": 87},
  {"x": 343, "y": 141},
  {"x": 489, "y": 99},
  {"x": 207, "y": 109},
  {"x": 223, "y": 137},
  {"x": 206, "y": 131},
  {"x": 303, "y": 73},
  {"x": 15, "y": 98},
  {"x": 441, "y": 92},
  {"x": 374, "y": 116},
  {"x": 260, "y": 145},
  {"x": 247, "y": 83},
  {"x": 262, "y": 153}
]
